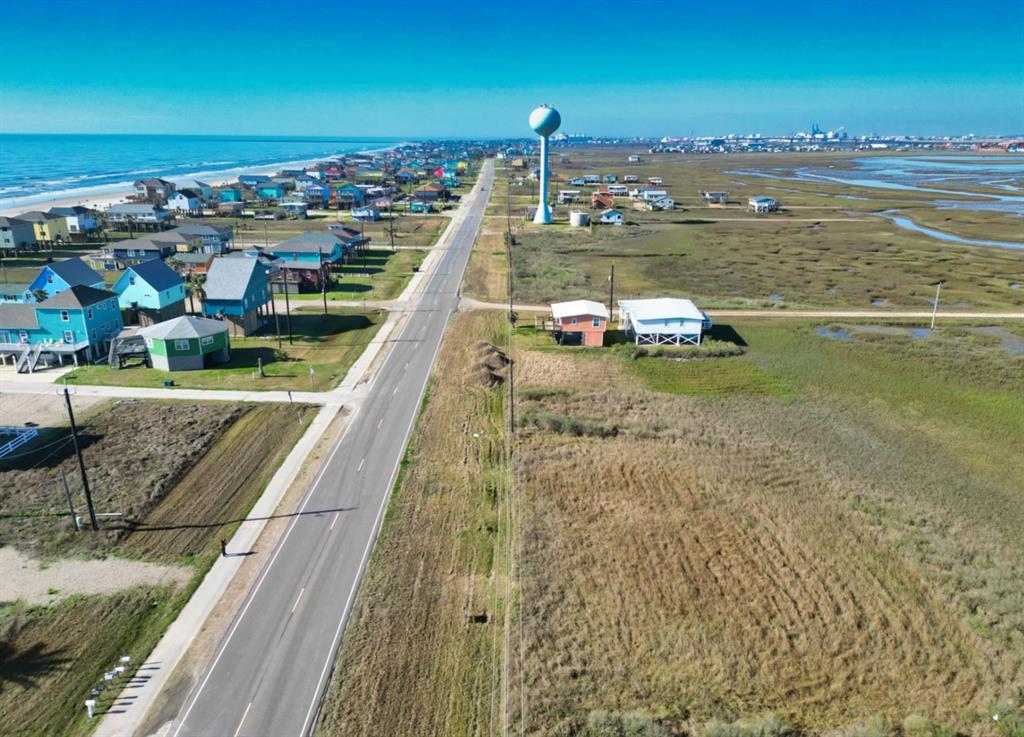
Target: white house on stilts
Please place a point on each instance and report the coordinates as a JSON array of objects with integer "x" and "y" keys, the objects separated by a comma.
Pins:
[{"x": 663, "y": 321}]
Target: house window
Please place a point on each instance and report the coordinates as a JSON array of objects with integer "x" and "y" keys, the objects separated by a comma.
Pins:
[
  {"x": 23, "y": 336},
  {"x": 181, "y": 345},
  {"x": 131, "y": 280},
  {"x": 597, "y": 322},
  {"x": 573, "y": 321},
  {"x": 206, "y": 340},
  {"x": 64, "y": 316},
  {"x": 94, "y": 333},
  {"x": 89, "y": 313},
  {"x": 69, "y": 336}
]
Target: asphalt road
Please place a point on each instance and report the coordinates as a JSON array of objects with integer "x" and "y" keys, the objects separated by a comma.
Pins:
[{"x": 270, "y": 672}]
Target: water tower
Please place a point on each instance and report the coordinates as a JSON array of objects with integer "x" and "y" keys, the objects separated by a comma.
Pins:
[{"x": 544, "y": 121}]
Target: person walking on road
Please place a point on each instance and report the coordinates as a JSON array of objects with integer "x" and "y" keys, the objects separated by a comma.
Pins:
[{"x": 224, "y": 548}]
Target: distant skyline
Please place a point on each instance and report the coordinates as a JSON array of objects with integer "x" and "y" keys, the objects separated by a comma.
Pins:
[{"x": 477, "y": 69}]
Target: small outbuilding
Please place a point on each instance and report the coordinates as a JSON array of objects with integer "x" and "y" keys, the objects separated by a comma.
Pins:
[
  {"x": 581, "y": 319},
  {"x": 763, "y": 204},
  {"x": 611, "y": 217},
  {"x": 663, "y": 321},
  {"x": 186, "y": 343}
]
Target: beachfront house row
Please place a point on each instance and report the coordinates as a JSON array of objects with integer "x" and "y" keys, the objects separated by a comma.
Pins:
[
  {"x": 48, "y": 228},
  {"x": 80, "y": 220},
  {"x": 185, "y": 202},
  {"x": 580, "y": 321},
  {"x": 663, "y": 321},
  {"x": 187, "y": 343},
  {"x": 58, "y": 276},
  {"x": 237, "y": 291},
  {"x": 150, "y": 292},
  {"x": 16, "y": 234},
  {"x": 141, "y": 215},
  {"x": 119, "y": 254},
  {"x": 154, "y": 189},
  {"x": 75, "y": 324}
]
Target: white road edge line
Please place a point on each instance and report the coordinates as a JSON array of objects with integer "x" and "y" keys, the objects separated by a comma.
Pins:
[
  {"x": 298, "y": 599},
  {"x": 361, "y": 464},
  {"x": 334, "y": 521},
  {"x": 244, "y": 715}
]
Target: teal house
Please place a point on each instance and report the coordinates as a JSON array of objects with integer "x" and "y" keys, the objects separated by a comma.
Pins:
[
  {"x": 230, "y": 194},
  {"x": 237, "y": 291},
  {"x": 269, "y": 191},
  {"x": 311, "y": 247},
  {"x": 150, "y": 292},
  {"x": 187, "y": 343},
  {"x": 61, "y": 275},
  {"x": 78, "y": 324}
]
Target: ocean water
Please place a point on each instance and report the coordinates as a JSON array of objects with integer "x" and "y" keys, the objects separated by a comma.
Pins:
[{"x": 35, "y": 168}]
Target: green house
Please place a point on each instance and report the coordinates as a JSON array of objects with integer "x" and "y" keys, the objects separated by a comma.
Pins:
[{"x": 186, "y": 343}]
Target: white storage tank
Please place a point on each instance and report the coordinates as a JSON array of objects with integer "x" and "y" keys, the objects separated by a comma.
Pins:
[{"x": 579, "y": 219}]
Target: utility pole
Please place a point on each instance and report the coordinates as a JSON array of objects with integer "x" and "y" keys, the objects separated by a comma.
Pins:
[
  {"x": 611, "y": 292},
  {"x": 935, "y": 307},
  {"x": 391, "y": 228},
  {"x": 277, "y": 322},
  {"x": 323, "y": 277},
  {"x": 81, "y": 463},
  {"x": 71, "y": 504},
  {"x": 287, "y": 305}
]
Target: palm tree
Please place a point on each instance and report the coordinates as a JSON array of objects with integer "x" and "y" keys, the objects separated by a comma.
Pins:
[{"x": 194, "y": 284}]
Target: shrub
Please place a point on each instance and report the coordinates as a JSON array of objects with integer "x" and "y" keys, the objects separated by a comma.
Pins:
[
  {"x": 916, "y": 725},
  {"x": 623, "y": 724},
  {"x": 564, "y": 425},
  {"x": 767, "y": 726}
]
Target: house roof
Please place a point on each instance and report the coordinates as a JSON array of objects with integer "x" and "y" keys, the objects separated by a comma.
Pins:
[
  {"x": 153, "y": 182},
  {"x": 578, "y": 307},
  {"x": 157, "y": 274},
  {"x": 69, "y": 211},
  {"x": 77, "y": 296},
  {"x": 14, "y": 315},
  {"x": 74, "y": 271},
  {"x": 192, "y": 258},
  {"x": 185, "y": 193},
  {"x": 8, "y": 222},
  {"x": 227, "y": 278},
  {"x": 131, "y": 208},
  {"x": 307, "y": 243},
  {"x": 35, "y": 216},
  {"x": 186, "y": 326},
  {"x": 142, "y": 244},
  {"x": 13, "y": 288},
  {"x": 661, "y": 308},
  {"x": 202, "y": 230}
]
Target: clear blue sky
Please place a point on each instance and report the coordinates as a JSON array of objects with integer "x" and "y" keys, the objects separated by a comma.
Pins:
[{"x": 477, "y": 68}]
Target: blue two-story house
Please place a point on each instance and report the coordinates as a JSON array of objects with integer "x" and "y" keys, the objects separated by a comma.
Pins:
[
  {"x": 270, "y": 191},
  {"x": 61, "y": 275},
  {"x": 237, "y": 291},
  {"x": 150, "y": 292},
  {"x": 77, "y": 323}
]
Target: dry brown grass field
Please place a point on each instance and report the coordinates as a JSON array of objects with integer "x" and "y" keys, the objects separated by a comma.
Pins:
[
  {"x": 184, "y": 474},
  {"x": 412, "y": 661},
  {"x": 820, "y": 547}
]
